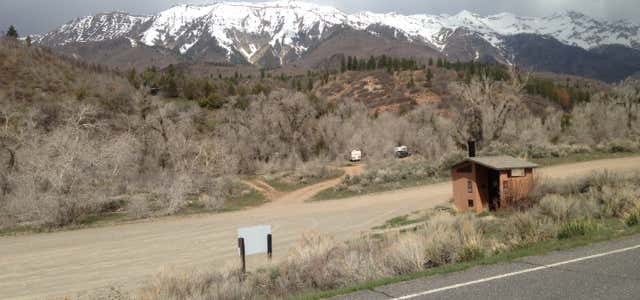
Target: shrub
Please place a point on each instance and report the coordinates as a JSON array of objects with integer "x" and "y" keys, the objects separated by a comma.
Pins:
[
  {"x": 616, "y": 201},
  {"x": 71, "y": 212},
  {"x": 557, "y": 207},
  {"x": 443, "y": 239},
  {"x": 213, "y": 101},
  {"x": 622, "y": 146},
  {"x": 576, "y": 228},
  {"x": 632, "y": 219},
  {"x": 407, "y": 253},
  {"x": 522, "y": 228},
  {"x": 528, "y": 227},
  {"x": 393, "y": 175},
  {"x": 470, "y": 253}
]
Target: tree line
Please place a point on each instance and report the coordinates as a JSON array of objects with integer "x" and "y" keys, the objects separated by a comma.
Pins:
[
  {"x": 567, "y": 96},
  {"x": 353, "y": 63},
  {"x": 12, "y": 33}
]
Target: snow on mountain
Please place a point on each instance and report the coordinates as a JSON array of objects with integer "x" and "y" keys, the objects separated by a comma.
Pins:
[
  {"x": 285, "y": 27},
  {"x": 170, "y": 24},
  {"x": 570, "y": 27},
  {"x": 106, "y": 26},
  {"x": 247, "y": 27}
]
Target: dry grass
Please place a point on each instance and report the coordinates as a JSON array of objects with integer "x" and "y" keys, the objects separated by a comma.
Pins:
[
  {"x": 305, "y": 175},
  {"x": 319, "y": 262}
]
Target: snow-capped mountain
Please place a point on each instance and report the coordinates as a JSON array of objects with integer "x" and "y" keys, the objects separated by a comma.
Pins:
[
  {"x": 243, "y": 28},
  {"x": 571, "y": 28},
  {"x": 284, "y": 31},
  {"x": 98, "y": 28}
]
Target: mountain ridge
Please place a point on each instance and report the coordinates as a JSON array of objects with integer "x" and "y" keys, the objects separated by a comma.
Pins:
[{"x": 280, "y": 32}]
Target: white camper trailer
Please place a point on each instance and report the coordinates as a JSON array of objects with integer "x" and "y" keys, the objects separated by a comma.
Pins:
[
  {"x": 401, "y": 151},
  {"x": 356, "y": 155}
]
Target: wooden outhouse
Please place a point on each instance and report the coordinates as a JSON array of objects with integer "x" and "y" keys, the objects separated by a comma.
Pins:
[{"x": 491, "y": 182}]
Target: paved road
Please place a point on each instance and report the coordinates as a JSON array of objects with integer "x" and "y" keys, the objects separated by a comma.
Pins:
[
  {"x": 63, "y": 263},
  {"x": 602, "y": 271}
]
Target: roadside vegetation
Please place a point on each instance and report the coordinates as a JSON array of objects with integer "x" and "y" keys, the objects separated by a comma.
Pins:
[{"x": 557, "y": 214}]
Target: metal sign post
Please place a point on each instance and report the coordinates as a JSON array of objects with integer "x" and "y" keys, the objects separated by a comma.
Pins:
[
  {"x": 269, "y": 247},
  {"x": 242, "y": 255}
]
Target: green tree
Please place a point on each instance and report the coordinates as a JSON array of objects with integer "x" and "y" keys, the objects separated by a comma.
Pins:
[
  {"x": 149, "y": 76},
  {"x": 343, "y": 65},
  {"x": 213, "y": 101},
  {"x": 260, "y": 89},
  {"x": 12, "y": 32},
  {"x": 383, "y": 62},
  {"x": 430, "y": 61},
  {"x": 298, "y": 85},
  {"x": 28, "y": 41},
  {"x": 429, "y": 77},
  {"x": 371, "y": 64},
  {"x": 170, "y": 83},
  {"x": 133, "y": 78},
  {"x": 411, "y": 84},
  {"x": 310, "y": 84},
  {"x": 231, "y": 89},
  {"x": 171, "y": 88}
]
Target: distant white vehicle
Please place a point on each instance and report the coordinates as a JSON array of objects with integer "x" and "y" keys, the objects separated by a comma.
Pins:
[
  {"x": 401, "y": 151},
  {"x": 356, "y": 155}
]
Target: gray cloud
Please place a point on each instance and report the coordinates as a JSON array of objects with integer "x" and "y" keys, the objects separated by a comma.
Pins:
[{"x": 38, "y": 16}]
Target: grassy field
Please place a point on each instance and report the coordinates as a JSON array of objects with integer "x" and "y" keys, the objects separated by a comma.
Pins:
[
  {"x": 564, "y": 216},
  {"x": 333, "y": 193},
  {"x": 582, "y": 157},
  {"x": 608, "y": 229},
  {"x": 250, "y": 199},
  {"x": 341, "y": 192},
  {"x": 414, "y": 218},
  {"x": 284, "y": 184}
]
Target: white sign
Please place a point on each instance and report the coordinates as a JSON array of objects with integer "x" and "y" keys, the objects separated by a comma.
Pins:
[
  {"x": 517, "y": 173},
  {"x": 255, "y": 239}
]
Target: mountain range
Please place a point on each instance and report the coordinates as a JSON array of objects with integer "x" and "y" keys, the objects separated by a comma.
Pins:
[{"x": 286, "y": 33}]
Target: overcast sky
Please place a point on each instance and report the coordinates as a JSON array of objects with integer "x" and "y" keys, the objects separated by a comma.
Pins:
[{"x": 37, "y": 16}]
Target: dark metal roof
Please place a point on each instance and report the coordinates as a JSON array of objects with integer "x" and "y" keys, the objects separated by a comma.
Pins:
[{"x": 501, "y": 163}]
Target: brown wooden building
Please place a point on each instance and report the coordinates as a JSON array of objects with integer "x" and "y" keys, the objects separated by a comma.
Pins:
[{"x": 491, "y": 183}]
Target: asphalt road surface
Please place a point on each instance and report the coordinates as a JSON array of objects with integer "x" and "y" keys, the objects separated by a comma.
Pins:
[
  {"x": 65, "y": 263},
  {"x": 602, "y": 271}
]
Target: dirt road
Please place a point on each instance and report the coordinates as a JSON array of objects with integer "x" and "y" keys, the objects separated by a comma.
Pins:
[{"x": 63, "y": 263}]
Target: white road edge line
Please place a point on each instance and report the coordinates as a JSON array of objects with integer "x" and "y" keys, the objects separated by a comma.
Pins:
[{"x": 455, "y": 286}]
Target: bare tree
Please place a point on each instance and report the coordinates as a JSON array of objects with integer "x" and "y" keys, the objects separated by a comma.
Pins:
[
  {"x": 487, "y": 105},
  {"x": 627, "y": 95}
]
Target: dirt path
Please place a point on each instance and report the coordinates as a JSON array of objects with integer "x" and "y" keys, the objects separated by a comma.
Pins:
[
  {"x": 63, "y": 263},
  {"x": 304, "y": 194},
  {"x": 268, "y": 191}
]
